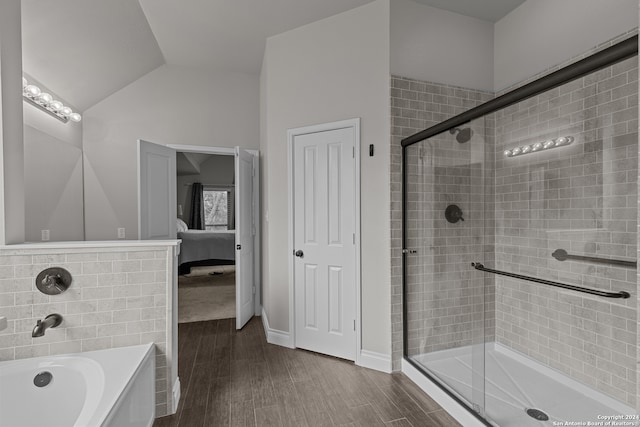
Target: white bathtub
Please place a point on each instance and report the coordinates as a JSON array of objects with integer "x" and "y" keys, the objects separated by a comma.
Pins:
[{"x": 105, "y": 388}]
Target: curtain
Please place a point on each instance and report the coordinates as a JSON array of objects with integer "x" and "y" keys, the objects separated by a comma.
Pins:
[
  {"x": 196, "y": 218},
  {"x": 231, "y": 207}
]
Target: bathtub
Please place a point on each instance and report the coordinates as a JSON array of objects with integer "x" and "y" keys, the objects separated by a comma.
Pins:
[{"x": 105, "y": 388}]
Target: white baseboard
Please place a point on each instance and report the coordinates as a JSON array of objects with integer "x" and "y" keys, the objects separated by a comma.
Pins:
[
  {"x": 457, "y": 411},
  {"x": 275, "y": 336},
  {"x": 175, "y": 394},
  {"x": 372, "y": 360}
]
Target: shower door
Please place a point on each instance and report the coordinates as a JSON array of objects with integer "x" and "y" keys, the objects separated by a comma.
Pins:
[
  {"x": 444, "y": 296},
  {"x": 520, "y": 255}
]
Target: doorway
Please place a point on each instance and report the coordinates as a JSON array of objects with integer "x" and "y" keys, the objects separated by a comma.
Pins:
[
  {"x": 236, "y": 241},
  {"x": 325, "y": 266},
  {"x": 206, "y": 226}
]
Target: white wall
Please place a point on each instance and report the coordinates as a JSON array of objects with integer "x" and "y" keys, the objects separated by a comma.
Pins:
[
  {"x": 439, "y": 46},
  {"x": 12, "y": 164},
  {"x": 542, "y": 33},
  {"x": 330, "y": 70},
  {"x": 170, "y": 105}
]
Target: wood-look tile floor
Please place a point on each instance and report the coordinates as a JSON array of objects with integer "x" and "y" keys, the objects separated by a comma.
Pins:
[{"x": 235, "y": 378}]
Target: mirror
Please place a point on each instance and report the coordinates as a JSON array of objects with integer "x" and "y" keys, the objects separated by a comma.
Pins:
[{"x": 53, "y": 175}]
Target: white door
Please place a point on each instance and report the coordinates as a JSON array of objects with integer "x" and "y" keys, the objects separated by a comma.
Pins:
[
  {"x": 244, "y": 237},
  {"x": 156, "y": 191},
  {"x": 324, "y": 242}
]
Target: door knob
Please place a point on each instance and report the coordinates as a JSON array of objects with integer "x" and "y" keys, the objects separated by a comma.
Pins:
[{"x": 299, "y": 253}]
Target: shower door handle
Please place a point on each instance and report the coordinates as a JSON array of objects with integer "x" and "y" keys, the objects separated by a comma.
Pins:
[{"x": 409, "y": 251}]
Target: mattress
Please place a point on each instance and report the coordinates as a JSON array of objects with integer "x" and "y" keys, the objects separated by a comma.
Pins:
[{"x": 200, "y": 245}]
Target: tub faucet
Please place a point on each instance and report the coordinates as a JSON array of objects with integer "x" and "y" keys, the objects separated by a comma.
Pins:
[{"x": 51, "y": 321}]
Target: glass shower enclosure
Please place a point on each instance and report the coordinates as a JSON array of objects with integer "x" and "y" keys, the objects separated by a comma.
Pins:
[{"x": 519, "y": 248}]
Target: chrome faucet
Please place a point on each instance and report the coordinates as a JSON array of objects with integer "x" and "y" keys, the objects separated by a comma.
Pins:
[{"x": 51, "y": 321}]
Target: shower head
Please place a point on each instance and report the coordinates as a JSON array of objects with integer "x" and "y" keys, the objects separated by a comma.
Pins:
[{"x": 464, "y": 135}]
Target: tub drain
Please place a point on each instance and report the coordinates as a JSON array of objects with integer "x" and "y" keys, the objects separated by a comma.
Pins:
[
  {"x": 537, "y": 414},
  {"x": 42, "y": 379}
]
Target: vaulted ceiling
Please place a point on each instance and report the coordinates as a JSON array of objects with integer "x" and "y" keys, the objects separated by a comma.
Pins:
[{"x": 85, "y": 50}]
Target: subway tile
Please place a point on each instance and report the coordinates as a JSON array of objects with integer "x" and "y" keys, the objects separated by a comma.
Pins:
[
  {"x": 112, "y": 256},
  {"x": 92, "y": 344},
  {"x": 82, "y": 257},
  {"x": 112, "y": 304},
  {"x": 98, "y": 267},
  {"x": 112, "y": 279},
  {"x": 126, "y": 266}
]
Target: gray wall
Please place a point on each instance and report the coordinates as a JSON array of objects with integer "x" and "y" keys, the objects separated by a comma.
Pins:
[{"x": 436, "y": 45}]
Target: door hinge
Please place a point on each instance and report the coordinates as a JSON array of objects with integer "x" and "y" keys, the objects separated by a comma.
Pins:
[
  {"x": 354, "y": 238},
  {"x": 253, "y": 230},
  {"x": 353, "y": 152},
  {"x": 354, "y": 324},
  {"x": 254, "y": 290}
]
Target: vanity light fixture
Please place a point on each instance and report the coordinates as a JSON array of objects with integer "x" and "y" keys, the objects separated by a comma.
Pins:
[
  {"x": 539, "y": 146},
  {"x": 45, "y": 102}
]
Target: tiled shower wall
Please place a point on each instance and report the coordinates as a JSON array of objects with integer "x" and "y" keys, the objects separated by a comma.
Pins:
[
  {"x": 118, "y": 297},
  {"x": 581, "y": 198},
  {"x": 442, "y": 314}
]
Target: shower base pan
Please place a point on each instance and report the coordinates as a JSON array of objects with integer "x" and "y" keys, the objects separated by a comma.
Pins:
[{"x": 515, "y": 384}]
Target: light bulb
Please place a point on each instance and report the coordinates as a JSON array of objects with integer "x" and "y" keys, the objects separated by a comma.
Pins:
[
  {"x": 66, "y": 111},
  {"x": 507, "y": 153},
  {"x": 32, "y": 91},
  {"x": 561, "y": 141},
  {"x": 45, "y": 98},
  {"x": 56, "y": 105},
  {"x": 526, "y": 149},
  {"x": 516, "y": 151},
  {"x": 24, "y": 83},
  {"x": 75, "y": 117},
  {"x": 548, "y": 143},
  {"x": 537, "y": 146}
]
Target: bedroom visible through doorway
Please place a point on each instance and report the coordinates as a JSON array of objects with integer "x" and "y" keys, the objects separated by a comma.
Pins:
[
  {"x": 172, "y": 182},
  {"x": 206, "y": 226}
]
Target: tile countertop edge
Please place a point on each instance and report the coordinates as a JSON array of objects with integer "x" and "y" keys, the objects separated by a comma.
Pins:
[{"x": 106, "y": 245}]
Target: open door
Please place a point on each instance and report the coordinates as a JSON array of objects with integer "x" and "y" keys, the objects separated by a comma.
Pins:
[
  {"x": 244, "y": 237},
  {"x": 156, "y": 191}
]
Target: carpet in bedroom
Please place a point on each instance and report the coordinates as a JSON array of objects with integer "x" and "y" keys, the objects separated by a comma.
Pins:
[{"x": 205, "y": 296}]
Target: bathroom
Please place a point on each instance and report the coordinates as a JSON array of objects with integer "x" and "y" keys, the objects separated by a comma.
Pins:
[{"x": 469, "y": 69}]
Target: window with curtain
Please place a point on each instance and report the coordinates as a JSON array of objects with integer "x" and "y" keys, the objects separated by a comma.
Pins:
[{"x": 218, "y": 209}]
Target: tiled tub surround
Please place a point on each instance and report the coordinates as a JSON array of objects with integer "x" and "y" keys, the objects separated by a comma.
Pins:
[
  {"x": 119, "y": 297},
  {"x": 581, "y": 198},
  {"x": 445, "y": 173}
]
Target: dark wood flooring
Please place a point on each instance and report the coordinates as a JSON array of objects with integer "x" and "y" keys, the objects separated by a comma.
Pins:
[{"x": 235, "y": 378}]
